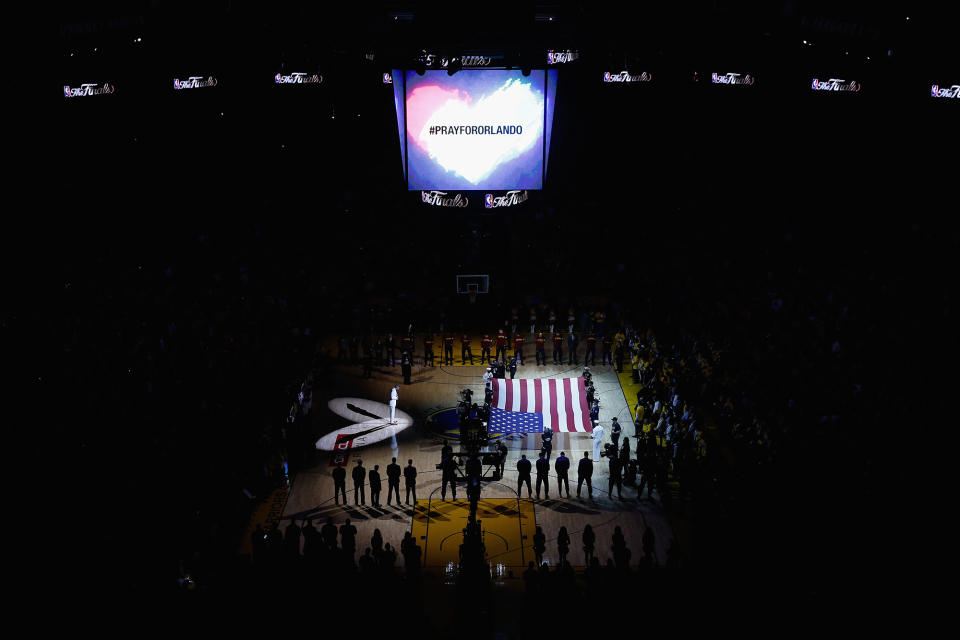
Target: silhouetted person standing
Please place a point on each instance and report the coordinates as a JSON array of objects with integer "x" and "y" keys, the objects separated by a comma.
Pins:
[
  {"x": 348, "y": 539},
  {"x": 502, "y": 456},
  {"x": 366, "y": 562},
  {"x": 543, "y": 476},
  {"x": 275, "y": 543},
  {"x": 411, "y": 560},
  {"x": 563, "y": 545},
  {"x": 339, "y": 484},
  {"x": 311, "y": 539},
  {"x": 388, "y": 559},
  {"x": 624, "y": 454},
  {"x": 539, "y": 544},
  {"x": 359, "y": 478},
  {"x": 523, "y": 475},
  {"x": 589, "y": 542},
  {"x": 649, "y": 545},
  {"x": 585, "y": 474},
  {"x": 646, "y": 477},
  {"x": 448, "y": 468},
  {"x": 410, "y": 475},
  {"x": 375, "y": 485},
  {"x": 291, "y": 539},
  {"x": 621, "y": 554},
  {"x": 393, "y": 480},
  {"x": 616, "y": 477},
  {"x": 328, "y": 533},
  {"x": 531, "y": 577},
  {"x": 562, "y": 467}
]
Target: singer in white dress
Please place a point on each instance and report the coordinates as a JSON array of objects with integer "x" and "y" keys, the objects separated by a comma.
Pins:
[{"x": 394, "y": 396}]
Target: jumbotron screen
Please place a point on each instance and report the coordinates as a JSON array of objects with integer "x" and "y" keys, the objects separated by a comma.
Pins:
[{"x": 477, "y": 129}]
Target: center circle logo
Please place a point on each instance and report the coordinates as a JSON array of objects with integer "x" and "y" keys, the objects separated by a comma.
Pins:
[{"x": 444, "y": 424}]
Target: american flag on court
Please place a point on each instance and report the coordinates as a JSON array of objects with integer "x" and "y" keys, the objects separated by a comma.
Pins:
[
  {"x": 507, "y": 422},
  {"x": 561, "y": 403}
]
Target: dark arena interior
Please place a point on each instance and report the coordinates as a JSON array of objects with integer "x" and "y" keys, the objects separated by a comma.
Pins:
[{"x": 691, "y": 257}]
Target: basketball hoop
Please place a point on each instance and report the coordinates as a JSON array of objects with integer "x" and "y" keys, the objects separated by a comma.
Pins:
[{"x": 473, "y": 285}]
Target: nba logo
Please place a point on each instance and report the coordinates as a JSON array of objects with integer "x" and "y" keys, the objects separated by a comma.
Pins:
[
  {"x": 341, "y": 450},
  {"x": 606, "y": 76},
  {"x": 934, "y": 91},
  {"x": 488, "y": 201},
  {"x": 176, "y": 83},
  {"x": 714, "y": 78},
  {"x": 66, "y": 91},
  {"x": 387, "y": 79},
  {"x": 278, "y": 78},
  {"x": 816, "y": 84},
  {"x": 549, "y": 57}
]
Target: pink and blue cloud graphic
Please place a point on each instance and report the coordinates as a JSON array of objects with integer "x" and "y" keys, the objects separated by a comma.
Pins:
[{"x": 475, "y": 130}]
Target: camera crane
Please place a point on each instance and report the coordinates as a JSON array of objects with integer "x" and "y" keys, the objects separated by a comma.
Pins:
[{"x": 472, "y": 456}]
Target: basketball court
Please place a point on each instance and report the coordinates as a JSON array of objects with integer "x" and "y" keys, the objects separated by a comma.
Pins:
[{"x": 350, "y": 414}]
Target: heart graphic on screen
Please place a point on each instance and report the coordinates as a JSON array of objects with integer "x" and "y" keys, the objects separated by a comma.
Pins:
[{"x": 475, "y": 156}]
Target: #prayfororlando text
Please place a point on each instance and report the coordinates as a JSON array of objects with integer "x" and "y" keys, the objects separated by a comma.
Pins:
[{"x": 513, "y": 129}]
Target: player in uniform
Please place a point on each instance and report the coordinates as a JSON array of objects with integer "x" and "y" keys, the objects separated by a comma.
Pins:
[
  {"x": 619, "y": 342},
  {"x": 485, "y": 345},
  {"x": 428, "y": 350},
  {"x": 591, "y": 349},
  {"x": 501, "y": 345},
  {"x": 518, "y": 347},
  {"x": 541, "y": 352},
  {"x": 391, "y": 347},
  {"x": 465, "y": 350},
  {"x": 406, "y": 346},
  {"x": 607, "y": 350},
  {"x": 557, "y": 349},
  {"x": 448, "y": 350},
  {"x": 601, "y": 323}
]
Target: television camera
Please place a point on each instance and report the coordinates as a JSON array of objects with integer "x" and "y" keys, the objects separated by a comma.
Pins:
[{"x": 609, "y": 450}]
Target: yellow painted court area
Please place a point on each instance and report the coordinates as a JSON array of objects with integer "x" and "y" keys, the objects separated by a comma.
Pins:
[
  {"x": 438, "y": 528},
  {"x": 267, "y": 514}
]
